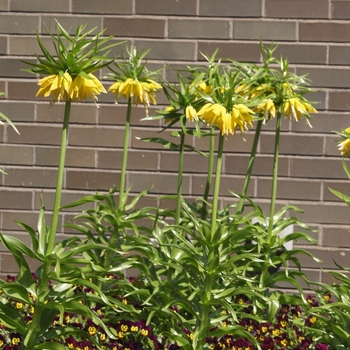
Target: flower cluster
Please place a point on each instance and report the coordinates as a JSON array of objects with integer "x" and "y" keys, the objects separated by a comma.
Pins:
[
  {"x": 232, "y": 97},
  {"x": 132, "y": 79},
  {"x": 64, "y": 87}
]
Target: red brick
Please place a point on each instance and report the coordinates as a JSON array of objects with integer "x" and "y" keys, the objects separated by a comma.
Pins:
[
  {"x": 37, "y": 135},
  {"x": 334, "y": 236},
  {"x": 38, "y": 177},
  {"x": 317, "y": 168},
  {"x": 290, "y": 189},
  {"x": 28, "y": 45},
  {"x": 334, "y": 77},
  {"x": 236, "y": 8},
  {"x": 91, "y": 180},
  {"x": 79, "y": 113},
  {"x": 157, "y": 183},
  {"x": 116, "y": 115},
  {"x": 96, "y": 136},
  {"x": 18, "y": 24},
  {"x": 339, "y": 55},
  {"x": 297, "y": 8},
  {"x": 77, "y": 158},
  {"x": 144, "y": 160},
  {"x": 179, "y": 7},
  {"x": 18, "y": 112},
  {"x": 135, "y": 27},
  {"x": 39, "y": 6},
  {"x": 265, "y": 30},
  {"x": 168, "y": 50},
  {"x": 14, "y": 199},
  {"x": 233, "y": 50},
  {"x": 107, "y": 6},
  {"x": 340, "y": 9},
  {"x": 263, "y": 165},
  {"x": 67, "y": 198},
  {"x": 3, "y": 45},
  {"x": 324, "y": 123},
  {"x": 339, "y": 100},
  {"x": 228, "y": 184},
  {"x": 198, "y": 28},
  {"x": 70, "y": 23},
  {"x": 303, "y": 53},
  {"x": 16, "y": 155},
  {"x": 324, "y": 31},
  {"x": 293, "y": 144},
  {"x": 340, "y": 186}
]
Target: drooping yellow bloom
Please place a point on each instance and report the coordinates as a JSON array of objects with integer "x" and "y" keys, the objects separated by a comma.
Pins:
[
  {"x": 191, "y": 114},
  {"x": 344, "y": 146},
  {"x": 217, "y": 115},
  {"x": 58, "y": 85},
  {"x": 82, "y": 87},
  {"x": 267, "y": 109},
  {"x": 140, "y": 91},
  {"x": 212, "y": 113},
  {"x": 296, "y": 108},
  {"x": 243, "y": 116}
]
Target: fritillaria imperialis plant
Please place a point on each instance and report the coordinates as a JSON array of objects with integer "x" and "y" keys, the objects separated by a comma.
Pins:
[
  {"x": 69, "y": 78},
  {"x": 133, "y": 82}
]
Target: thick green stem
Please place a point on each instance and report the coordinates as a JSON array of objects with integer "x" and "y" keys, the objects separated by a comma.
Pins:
[
  {"x": 240, "y": 204},
  {"x": 217, "y": 186},
  {"x": 179, "y": 179},
  {"x": 125, "y": 156},
  {"x": 204, "y": 320},
  {"x": 59, "y": 183},
  {"x": 274, "y": 176},
  {"x": 210, "y": 174}
]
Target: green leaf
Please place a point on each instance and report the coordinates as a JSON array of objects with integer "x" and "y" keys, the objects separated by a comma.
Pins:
[
  {"x": 50, "y": 346},
  {"x": 17, "y": 246},
  {"x": 12, "y": 318},
  {"x": 167, "y": 144}
]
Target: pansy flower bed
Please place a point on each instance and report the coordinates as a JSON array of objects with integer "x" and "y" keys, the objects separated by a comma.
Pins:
[{"x": 131, "y": 334}]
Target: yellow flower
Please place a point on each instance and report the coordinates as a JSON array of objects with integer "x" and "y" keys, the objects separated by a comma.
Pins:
[
  {"x": 144, "y": 332},
  {"x": 212, "y": 113},
  {"x": 191, "y": 114},
  {"x": 58, "y": 85},
  {"x": 295, "y": 108},
  {"x": 140, "y": 91},
  {"x": 344, "y": 146},
  {"x": 92, "y": 330},
  {"x": 243, "y": 116},
  {"x": 217, "y": 115},
  {"x": 266, "y": 108},
  {"x": 81, "y": 86}
]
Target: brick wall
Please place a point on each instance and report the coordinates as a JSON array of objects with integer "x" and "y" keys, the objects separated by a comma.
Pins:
[{"x": 313, "y": 34}]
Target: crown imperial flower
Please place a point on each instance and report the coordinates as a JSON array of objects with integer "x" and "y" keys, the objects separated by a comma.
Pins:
[{"x": 69, "y": 73}]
